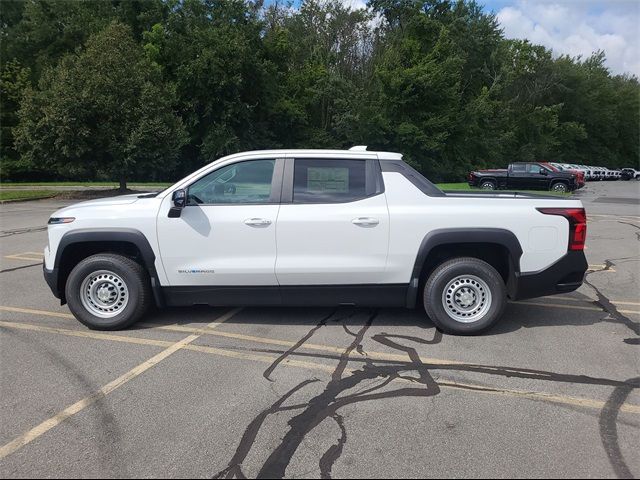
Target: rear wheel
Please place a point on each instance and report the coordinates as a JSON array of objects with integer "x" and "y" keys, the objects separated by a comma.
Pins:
[
  {"x": 108, "y": 291},
  {"x": 559, "y": 187},
  {"x": 488, "y": 185},
  {"x": 464, "y": 296}
]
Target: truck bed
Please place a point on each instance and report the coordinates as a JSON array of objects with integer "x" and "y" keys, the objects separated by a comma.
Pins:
[{"x": 502, "y": 194}]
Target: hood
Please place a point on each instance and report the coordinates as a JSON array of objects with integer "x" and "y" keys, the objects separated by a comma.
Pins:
[{"x": 100, "y": 202}]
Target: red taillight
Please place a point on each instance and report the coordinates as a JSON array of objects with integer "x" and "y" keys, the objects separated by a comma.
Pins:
[{"x": 577, "y": 218}]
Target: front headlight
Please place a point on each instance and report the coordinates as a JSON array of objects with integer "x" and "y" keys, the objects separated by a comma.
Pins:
[{"x": 59, "y": 220}]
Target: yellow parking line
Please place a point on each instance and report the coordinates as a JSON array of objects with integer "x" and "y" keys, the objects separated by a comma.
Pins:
[
  {"x": 308, "y": 346},
  {"x": 587, "y": 300},
  {"x": 272, "y": 341},
  {"x": 36, "y": 312},
  {"x": 71, "y": 410},
  {"x": 86, "y": 334},
  {"x": 631, "y": 217},
  {"x": 573, "y": 307},
  {"x": 17, "y": 257},
  {"x": 25, "y": 256},
  {"x": 207, "y": 331},
  {"x": 600, "y": 268},
  {"x": 624, "y": 303},
  {"x": 268, "y": 359}
]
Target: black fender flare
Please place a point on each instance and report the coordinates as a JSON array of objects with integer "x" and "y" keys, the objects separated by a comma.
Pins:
[
  {"x": 489, "y": 178},
  {"x": 128, "y": 235},
  {"x": 450, "y": 236}
]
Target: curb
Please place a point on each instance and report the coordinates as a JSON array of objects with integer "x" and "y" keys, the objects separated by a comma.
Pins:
[{"x": 19, "y": 200}]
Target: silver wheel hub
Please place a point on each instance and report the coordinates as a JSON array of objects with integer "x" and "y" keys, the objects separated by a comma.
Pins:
[
  {"x": 104, "y": 294},
  {"x": 466, "y": 298}
]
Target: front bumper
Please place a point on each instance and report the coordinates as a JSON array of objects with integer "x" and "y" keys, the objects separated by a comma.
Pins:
[
  {"x": 566, "y": 275},
  {"x": 51, "y": 277}
]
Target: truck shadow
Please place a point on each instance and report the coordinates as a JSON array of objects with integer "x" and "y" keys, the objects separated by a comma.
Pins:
[{"x": 516, "y": 317}]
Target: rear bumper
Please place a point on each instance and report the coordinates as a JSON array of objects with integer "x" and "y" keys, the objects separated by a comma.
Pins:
[
  {"x": 51, "y": 277},
  {"x": 566, "y": 275}
]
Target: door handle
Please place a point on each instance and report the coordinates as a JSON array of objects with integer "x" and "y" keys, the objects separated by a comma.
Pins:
[
  {"x": 257, "y": 222},
  {"x": 365, "y": 222}
]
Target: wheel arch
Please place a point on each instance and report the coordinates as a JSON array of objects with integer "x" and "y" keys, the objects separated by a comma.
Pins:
[
  {"x": 489, "y": 244},
  {"x": 76, "y": 245},
  {"x": 489, "y": 179}
]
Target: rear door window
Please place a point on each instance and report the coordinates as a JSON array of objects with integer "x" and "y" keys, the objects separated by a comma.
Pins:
[{"x": 329, "y": 180}]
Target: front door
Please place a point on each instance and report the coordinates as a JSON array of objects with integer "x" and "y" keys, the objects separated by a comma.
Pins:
[
  {"x": 226, "y": 235},
  {"x": 539, "y": 177}
]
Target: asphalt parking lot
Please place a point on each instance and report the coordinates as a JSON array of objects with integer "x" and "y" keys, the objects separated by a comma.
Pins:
[{"x": 552, "y": 391}]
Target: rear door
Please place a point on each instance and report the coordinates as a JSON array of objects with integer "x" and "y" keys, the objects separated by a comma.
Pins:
[
  {"x": 333, "y": 224},
  {"x": 518, "y": 179}
]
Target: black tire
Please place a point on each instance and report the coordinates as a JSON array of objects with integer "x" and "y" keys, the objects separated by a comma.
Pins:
[
  {"x": 488, "y": 185},
  {"x": 559, "y": 187},
  {"x": 132, "y": 274},
  {"x": 434, "y": 292}
]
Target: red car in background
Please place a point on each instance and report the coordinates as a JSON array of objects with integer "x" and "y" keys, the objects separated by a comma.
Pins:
[{"x": 580, "y": 181}]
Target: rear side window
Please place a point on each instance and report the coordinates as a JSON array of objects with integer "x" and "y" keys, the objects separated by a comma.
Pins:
[
  {"x": 329, "y": 181},
  {"x": 518, "y": 168}
]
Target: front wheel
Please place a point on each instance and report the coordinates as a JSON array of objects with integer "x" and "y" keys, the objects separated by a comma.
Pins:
[
  {"x": 488, "y": 185},
  {"x": 108, "y": 291},
  {"x": 464, "y": 296}
]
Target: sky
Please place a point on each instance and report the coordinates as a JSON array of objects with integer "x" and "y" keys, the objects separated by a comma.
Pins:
[
  {"x": 573, "y": 27},
  {"x": 576, "y": 27}
]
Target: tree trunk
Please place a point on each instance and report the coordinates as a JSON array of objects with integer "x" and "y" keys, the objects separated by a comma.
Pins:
[{"x": 123, "y": 184}]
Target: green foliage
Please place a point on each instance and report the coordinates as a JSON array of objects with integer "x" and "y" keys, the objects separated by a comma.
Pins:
[
  {"x": 13, "y": 195},
  {"x": 103, "y": 110},
  {"x": 151, "y": 89}
]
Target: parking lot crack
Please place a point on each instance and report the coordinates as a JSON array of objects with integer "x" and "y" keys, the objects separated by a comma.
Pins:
[
  {"x": 634, "y": 226},
  {"x": 323, "y": 322},
  {"x": 20, "y": 268},
  {"x": 605, "y": 303},
  {"x": 609, "y": 427}
]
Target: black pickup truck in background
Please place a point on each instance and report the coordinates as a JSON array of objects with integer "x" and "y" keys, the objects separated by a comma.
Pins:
[{"x": 524, "y": 176}]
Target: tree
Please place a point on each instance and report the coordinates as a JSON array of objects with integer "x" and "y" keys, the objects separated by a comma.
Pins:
[
  {"x": 213, "y": 51},
  {"x": 105, "y": 110},
  {"x": 435, "y": 79},
  {"x": 14, "y": 80}
]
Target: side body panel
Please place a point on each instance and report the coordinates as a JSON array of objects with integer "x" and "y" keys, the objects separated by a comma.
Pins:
[{"x": 413, "y": 215}]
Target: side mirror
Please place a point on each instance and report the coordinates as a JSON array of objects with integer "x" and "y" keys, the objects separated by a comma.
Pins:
[
  {"x": 544, "y": 172},
  {"x": 179, "y": 200}
]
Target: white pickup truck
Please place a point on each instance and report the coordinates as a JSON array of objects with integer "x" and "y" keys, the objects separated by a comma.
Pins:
[{"x": 313, "y": 228}]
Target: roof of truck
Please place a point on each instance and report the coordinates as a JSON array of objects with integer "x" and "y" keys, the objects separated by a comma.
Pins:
[{"x": 357, "y": 150}]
